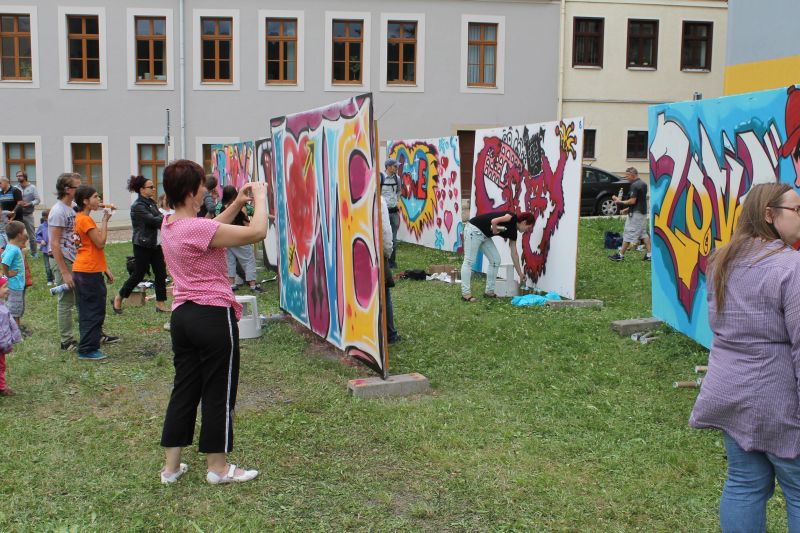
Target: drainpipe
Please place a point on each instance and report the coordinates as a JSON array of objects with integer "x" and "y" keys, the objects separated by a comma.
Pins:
[
  {"x": 182, "y": 68},
  {"x": 561, "y": 48}
]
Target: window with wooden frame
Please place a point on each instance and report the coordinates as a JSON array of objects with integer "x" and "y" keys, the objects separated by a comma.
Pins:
[
  {"x": 151, "y": 49},
  {"x": 207, "y": 163},
  {"x": 642, "y": 44},
  {"x": 637, "y": 145},
  {"x": 696, "y": 45},
  {"x": 589, "y": 137},
  {"x": 401, "y": 52},
  {"x": 217, "y": 49},
  {"x": 87, "y": 160},
  {"x": 348, "y": 51},
  {"x": 482, "y": 55},
  {"x": 21, "y": 157},
  {"x": 587, "y": 42},
  {"x": 83, "y": 39},
  {"x": 281, "y": 51},
  {"x": 15, "y": 47},
  {"x": 151, "y": 163}
]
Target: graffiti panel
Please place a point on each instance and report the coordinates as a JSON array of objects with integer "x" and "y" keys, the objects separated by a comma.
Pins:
[
  {"x": 233, "y": 164},
  {"x": 534, "y": 168},
  {"x": 704, "y": 157},
  {"x": 264, "y": 173},
  {"x": 430, "y": 195},
  {"x": 330, "y": 258}
]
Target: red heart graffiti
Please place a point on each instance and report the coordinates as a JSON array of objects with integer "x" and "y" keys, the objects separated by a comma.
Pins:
[
  {"x": 301, "y": 193},
  {"x": 445, "y": 161}
]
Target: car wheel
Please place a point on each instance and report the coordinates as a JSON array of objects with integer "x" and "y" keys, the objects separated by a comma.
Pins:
[{"x": 606, "y": 207}]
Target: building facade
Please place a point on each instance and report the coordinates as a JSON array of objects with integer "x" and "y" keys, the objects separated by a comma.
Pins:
[
  {"x": 621, "y": 56},
  {"x": 86, "y": 85},
  {"x": 763, "y": 47}
]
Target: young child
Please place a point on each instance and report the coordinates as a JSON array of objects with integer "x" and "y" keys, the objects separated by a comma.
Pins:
[
  {"x": 43, "y": 240},
  {"x": 87, "y": 273},
  {"x": 243, "y": 254},
  {"x": 13, "y": 264},
  {"x": 9, "y": 335}
]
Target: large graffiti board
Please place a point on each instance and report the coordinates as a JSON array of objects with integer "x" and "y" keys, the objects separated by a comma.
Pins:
[
  {"x": 704, "y": 157},
  {"x": 534, "y": 168},
  {"x": 233, "y": 164},
  {"x": 330, "y": 258},
  {"x": 430, "y": 192},
  {"x": 264, "y": 173}
]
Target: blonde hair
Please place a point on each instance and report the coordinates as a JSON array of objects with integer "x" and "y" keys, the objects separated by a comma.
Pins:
[{"x": 752, "y": 231}]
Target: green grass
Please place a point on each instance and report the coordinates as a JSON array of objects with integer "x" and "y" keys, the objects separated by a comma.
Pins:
[{"x": 541, "y": 420}]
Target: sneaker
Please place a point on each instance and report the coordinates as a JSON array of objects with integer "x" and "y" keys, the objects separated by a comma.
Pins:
[
  {"x": 169, "y": 479},
  {"x": 616, "y": 257},
  {"x": 96, "y": 355},
  {"x": 70, "y": 345},
  {"x": 647, "y": 257},
  {"x": 256, "y": 288},
  {"x": 108, "y": 339}
]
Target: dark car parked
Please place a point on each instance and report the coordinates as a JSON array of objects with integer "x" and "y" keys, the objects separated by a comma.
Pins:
[{"x": 597, "y": 189}]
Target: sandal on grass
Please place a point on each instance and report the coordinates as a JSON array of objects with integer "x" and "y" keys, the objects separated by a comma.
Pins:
[
  {"x": 230, "y": 476},
  {"x": 168, "y": 479},
  {"x": 469, "y": 298}
]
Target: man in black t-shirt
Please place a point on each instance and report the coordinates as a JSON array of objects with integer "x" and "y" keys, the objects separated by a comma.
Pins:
[
  {"x": 636, "y": 224},
  {"x": 478, "y": 234}
]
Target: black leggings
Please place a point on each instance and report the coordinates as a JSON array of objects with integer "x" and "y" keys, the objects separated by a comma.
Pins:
[
  {"x": 144, "y": 257},
  {"x": 205, "y": 340}
]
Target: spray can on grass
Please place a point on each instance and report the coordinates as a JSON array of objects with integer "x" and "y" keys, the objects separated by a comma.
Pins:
[{"x": 59, "y": 289}]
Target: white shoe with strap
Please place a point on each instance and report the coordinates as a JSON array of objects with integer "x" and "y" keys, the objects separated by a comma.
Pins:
[
  {"x": 230, "y": 476},
  {"x": 168, "y": 479}
]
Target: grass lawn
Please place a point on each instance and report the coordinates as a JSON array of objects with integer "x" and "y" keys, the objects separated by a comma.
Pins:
[{"x": 541, "y": 420}]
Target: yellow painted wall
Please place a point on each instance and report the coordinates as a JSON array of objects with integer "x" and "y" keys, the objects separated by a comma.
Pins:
[{"x": 762, "y": 75}]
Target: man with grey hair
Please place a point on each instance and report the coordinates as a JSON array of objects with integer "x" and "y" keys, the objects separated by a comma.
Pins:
[
  {"x": 636, "y": 224},
  {"x": 30, "y": 199}
]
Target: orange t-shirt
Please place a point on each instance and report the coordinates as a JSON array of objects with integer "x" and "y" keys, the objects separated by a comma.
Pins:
[{"x": 89, "y": 258}]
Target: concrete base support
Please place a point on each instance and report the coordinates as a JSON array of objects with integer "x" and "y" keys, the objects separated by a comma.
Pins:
[
  {"x": 400, "y": 385},
  {"x": 560, "y": 304},
  {"x": 626, "y": 328}
]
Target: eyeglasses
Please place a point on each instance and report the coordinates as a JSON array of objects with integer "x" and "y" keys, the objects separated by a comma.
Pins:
[
  {"x": 71, "y": 187},
  {"x": 796, "y": 208},
  {"x": 150, "y": 187}
]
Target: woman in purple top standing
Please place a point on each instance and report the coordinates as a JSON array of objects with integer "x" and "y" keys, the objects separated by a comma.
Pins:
[
  {"x": 203, "y": 325},
  {"x": 751, "y": 391}
]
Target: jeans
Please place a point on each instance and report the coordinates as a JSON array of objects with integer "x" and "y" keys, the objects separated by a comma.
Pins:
[
  {"x": 48, "y": 271},
  {"x": 391, "y": 331},
  {"x": 66, "y": 301},
  {"x": 30, "y": 229},
  {"x": 90, "y": 289},
  {"x": 475, "y": 240},
  {"x": 144, "y": 257},
  {"x": 394, "y": 221},
  {"x": 750, "y": 484}
]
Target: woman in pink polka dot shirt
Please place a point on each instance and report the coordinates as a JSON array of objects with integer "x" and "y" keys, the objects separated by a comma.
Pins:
[{"x": 203, "y": 326}]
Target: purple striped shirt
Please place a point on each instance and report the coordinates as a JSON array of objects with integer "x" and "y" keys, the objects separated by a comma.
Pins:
[{"x": 751, "y": 389}]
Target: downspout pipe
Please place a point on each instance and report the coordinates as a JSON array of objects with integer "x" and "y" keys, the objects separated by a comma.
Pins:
[
  {"x": 561, "y": 49},
  {"x": 182, "y": 68}
]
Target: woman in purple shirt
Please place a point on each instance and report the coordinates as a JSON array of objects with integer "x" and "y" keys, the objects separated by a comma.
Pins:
[{"x": 751, "y": 391}]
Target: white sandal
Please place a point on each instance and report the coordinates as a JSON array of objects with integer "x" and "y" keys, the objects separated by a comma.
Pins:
[
  {"x": 230, "y": 477},
  {"x": 168, "y": 479}
]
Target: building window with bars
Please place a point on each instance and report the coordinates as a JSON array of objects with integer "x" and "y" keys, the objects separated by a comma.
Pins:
[
  {"x": 348, "y": 44},
  {"x": 151, "y": 49},
  {"x": 20, "y": 157},
  {"x": 642, "y": 44},
  {"x": 15, "y": 47},
  {"x": 401, "y": 52},
  {"x": 83, "y": 39},
  {"x": 696, "y": 46},
  {"x": 87, "y": 160},
  {"x": 151, "y": 163},
  {"x": 482, "y": 55},
  {"x": 217, "y": 49},
  {"x": 637, "y": 145},
  {"x": 587, "y": 42},
  {"x": 281, "y": 51}
]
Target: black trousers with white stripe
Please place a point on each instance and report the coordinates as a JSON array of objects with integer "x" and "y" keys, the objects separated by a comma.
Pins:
[{"x": 205, "y": 341}]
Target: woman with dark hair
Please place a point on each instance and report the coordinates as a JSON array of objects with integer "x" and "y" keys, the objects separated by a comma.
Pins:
[
  {"x": 88, "y": 270},
  {"x": 750, "y": 392},
  {"x": 478, "y": 234},
  {"x": 146, "y": 221},
  {"x": 239, "y": 254},
  {"x": 203, "y": 326}
]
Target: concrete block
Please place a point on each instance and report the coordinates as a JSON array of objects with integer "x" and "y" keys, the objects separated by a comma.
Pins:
[
  {"x": 560, "y": 304},
  {"x": 400, "y": 385},
  {"x": 626, "y": 328}
]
